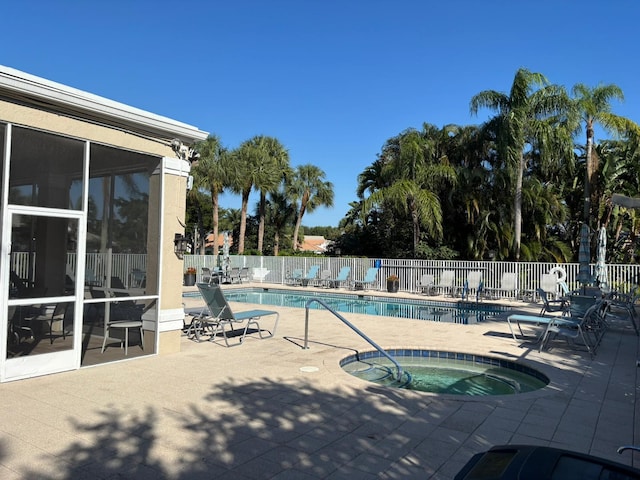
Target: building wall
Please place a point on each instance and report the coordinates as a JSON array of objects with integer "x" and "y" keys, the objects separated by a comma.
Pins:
[
  {"x": 171, "y": 313},
  {"x": 77, "y": 128}
]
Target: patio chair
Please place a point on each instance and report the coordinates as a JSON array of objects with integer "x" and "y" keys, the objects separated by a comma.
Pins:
[
  {"x": 49, "y": 314},
  {"x": 508, "y": 285},
  {"x": 234, "y": 275},
  {"x": 311, "y": 275},
  {"x": 322, "y": 279},
  {"x": 588, "y": 329},
  {"x": 368, "y": 280},
  {"x": 447, "y": 278},
  {"x": 549, "y": 284},
  {"x": 473, "y": 285},
  {"x": 294, "y": 278},
  {"x": 244, "y": 274},
  {"x": 622, "y": 306},
  {"x": 343, "y": 276},
  {"x": 221, "y": 316},
  {"x": 550, "y": 306},
  {"x": 426, "y": 285},
  {"x": 206, "y": 275},
  {"x": 580, "y": 304}
]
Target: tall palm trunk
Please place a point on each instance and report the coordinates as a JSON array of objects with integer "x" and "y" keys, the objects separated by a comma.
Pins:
[
  {"x": 517, "y": 210},
  {"x": 276, "y": 244},
  {"x": 588, "y": 174},
  {"x": 243, "y": 221},
  {"x": 215, "y": 204},
  {"x": 261, "y": 214}
]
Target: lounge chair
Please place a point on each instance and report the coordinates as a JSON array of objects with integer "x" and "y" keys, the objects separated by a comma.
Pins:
[
  {"x": 234, "y": 275},
  {"x": 550, "y": 305},
  {"x": 322, "y": 279},
  {"x": 244, "y": 274},
  {"x": 549, "y": 284},
  {"x": 508, "y": 285},
  {"x": 343, "y": 276},
  {"x": 622, "y": 306},
  {"x": 221, "y": 316},
  {"x": 580, "y": 304},
  {"x": 426, "y": 284},
  {"x": 588, "y": 329},
  {"x": 368, "y": 280},
  {"x": 447, "y": 278},
  {"x": 311, "y": 276},
  {"x": 473, "y": 285},
  {"x": 294, "y": 278},
  {"x": 207, "y": 276}
]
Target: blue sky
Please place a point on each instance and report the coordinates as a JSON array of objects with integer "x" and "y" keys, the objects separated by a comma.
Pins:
[{"x": 331, "y": 79}]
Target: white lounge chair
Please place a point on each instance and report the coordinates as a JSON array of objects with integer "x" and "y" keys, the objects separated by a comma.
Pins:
[
  {"x": 445, "y": 285},
  {"x": 426, "y": 285},
  {"x": 508, "y": 287}
]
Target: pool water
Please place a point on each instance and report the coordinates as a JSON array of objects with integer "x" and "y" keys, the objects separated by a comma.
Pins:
[
  {"x": 446, "y": 372},
  {"x": 453, "y": 312}
]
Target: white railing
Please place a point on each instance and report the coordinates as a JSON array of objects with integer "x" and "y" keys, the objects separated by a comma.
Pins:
[
  {"x": 123, "y": 265},
  {"x": 276, "y": 269}
]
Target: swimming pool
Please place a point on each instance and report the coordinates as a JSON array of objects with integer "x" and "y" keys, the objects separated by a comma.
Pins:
[
  {"x": 445, "y": 372},
  {"x": 453, "y": 312}
]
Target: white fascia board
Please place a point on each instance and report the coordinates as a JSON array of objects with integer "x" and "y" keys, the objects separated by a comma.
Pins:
[{"x": 30, "y": 85}]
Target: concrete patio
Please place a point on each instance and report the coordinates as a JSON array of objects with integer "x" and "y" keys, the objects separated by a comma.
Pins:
[{"x": 255, "y": 412}]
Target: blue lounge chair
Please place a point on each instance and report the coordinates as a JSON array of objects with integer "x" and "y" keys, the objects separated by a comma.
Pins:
[
  {"x": 294, "y": 278},
  {"x": 221, "y": 316},
  {"x": 311, "y": 275},
  {"x": 343, "y": 276},
  {"x": 368, "y": 280}
]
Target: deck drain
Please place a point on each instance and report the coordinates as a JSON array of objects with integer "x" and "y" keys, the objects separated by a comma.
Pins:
[{"x": 309, "y": 369}]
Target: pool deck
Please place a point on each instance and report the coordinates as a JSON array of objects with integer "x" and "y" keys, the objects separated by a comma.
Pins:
[{"x": 269, "y": 409}]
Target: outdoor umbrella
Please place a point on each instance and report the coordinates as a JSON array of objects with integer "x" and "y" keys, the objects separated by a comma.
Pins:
[
  {"x": 584, "y": 256},
  {"x": 601, "y": 267},
  {"x": 226, "y": 261}
]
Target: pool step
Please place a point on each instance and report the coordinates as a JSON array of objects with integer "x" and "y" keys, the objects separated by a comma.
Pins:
[{"x": 379, "y": 374}]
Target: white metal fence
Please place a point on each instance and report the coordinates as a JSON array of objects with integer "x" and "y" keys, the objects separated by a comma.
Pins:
[
  {"x": 123, "y": 266},
  {"x": 275, "y": 270}
]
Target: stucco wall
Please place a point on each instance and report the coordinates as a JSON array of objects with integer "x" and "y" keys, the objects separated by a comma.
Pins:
[
  {"x": 171, "y": 270},
  {"x": 52, "y": 122}
]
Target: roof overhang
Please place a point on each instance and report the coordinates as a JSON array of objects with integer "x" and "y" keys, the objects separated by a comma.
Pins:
[{"x": 40, "y": 93}]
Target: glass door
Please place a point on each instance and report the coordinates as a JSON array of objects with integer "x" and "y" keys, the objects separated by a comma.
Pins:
[{"x": 41, "y": 291}]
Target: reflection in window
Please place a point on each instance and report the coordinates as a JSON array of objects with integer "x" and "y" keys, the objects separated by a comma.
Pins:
[
  {"x": 122, "y": 233},
  {"x": 46, "y": 170}
]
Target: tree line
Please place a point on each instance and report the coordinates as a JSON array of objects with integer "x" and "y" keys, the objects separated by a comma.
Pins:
[
  {"x": 517, "y": 187},
  {"x": 259, "y": 164}
]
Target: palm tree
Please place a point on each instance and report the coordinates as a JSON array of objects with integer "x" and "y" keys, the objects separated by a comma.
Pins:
[
  {"x": 308, "y": 187},
  {"x": 272, "y": 169},
  {"x": 211, "y": 173},
  {"x": 413, "y": 168},
  {"x": 247, "y": 163},
  {"x": 593, "y": 106},
  {"x": 280, "y": 213},
  {"x": 522, "y": 117}
]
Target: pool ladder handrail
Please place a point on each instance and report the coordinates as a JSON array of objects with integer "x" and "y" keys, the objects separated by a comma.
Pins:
[{"x": 399, "y": 369}]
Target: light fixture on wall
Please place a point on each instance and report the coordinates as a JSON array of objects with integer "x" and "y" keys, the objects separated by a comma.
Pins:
[
  {"x": 184, "y": 152},
  {"x": 180, "y": 245}
]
